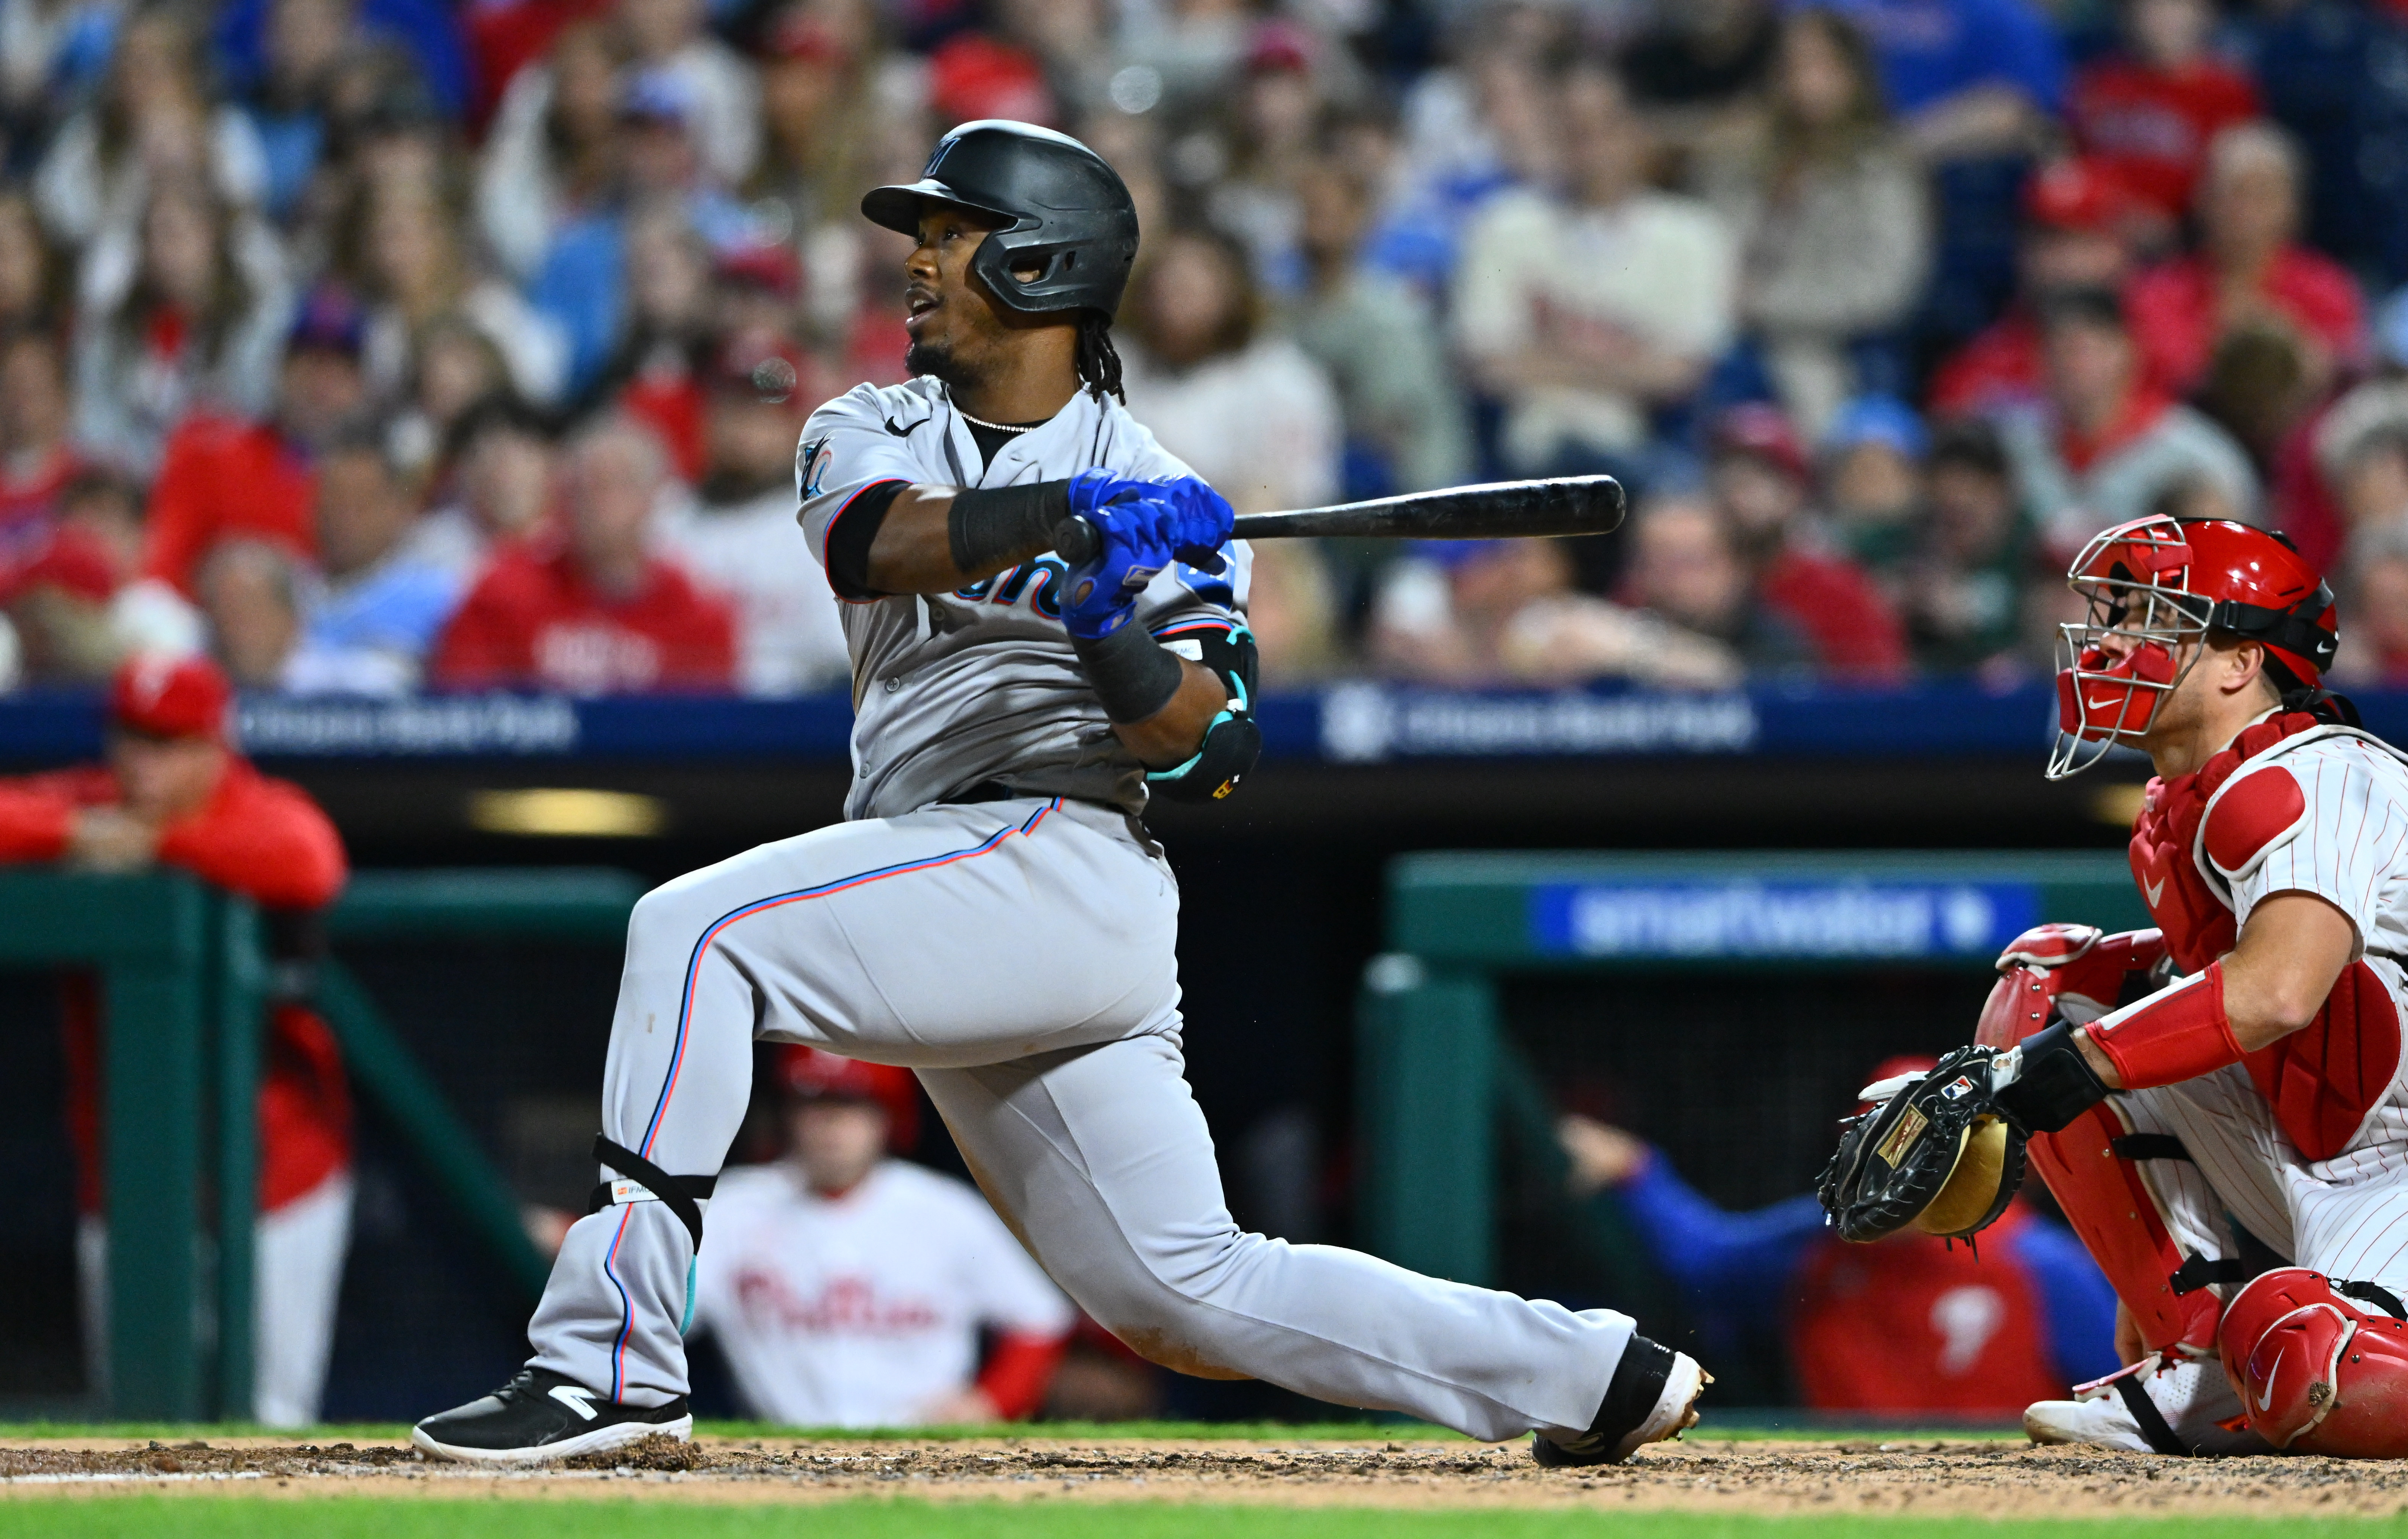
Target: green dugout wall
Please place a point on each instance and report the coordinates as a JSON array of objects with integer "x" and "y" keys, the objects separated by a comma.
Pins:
[
  {"x": 184, "y": 986},
  {"x": 1438, "y": 1080}
]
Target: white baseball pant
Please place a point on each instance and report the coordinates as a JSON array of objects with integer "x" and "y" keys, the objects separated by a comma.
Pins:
[{"x": 1020, "y": 956}]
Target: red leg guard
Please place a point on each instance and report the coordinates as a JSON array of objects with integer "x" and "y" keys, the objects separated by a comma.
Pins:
[
  {"x": 2319, "y": 1374},
  {"x": 2112, "y": 1209}
]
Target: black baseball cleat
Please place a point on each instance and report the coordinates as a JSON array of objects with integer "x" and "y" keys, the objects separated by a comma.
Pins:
[
  {"x": 541, "y": 1415},
  {"x": 1652, "y": 1396}
]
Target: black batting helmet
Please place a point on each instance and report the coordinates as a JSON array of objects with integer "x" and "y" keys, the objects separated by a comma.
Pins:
[{"x": 1067, "y": 213}]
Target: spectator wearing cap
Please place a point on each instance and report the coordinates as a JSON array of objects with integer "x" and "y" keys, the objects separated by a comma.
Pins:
[
  {"x": 221, "y": 476},
  {"x": 719, "y": 95},
  {"x": 174, "y": 792},
  {"x": 2073, "y": 236},
  {"x": 848, "y": 1287},
  {"x": 1760, "y": 482},
  {"x": 2110, "y": 442},
  {"x": 737, "y": 533},
  {"x": 2147, "y": 112},
  {"x": 184, "y": 310},
  {"x": 823, "y": 121},
  {"x": 2249, "y": 269},
  {"x": 1584, "y": 312},
  {"x": 1278, "y": 111},
  {"x": 1504, "y": 612},
  {"x": 1872, "y": 457},
  {"x": 1831, "y": 219},
  {"x": 1963, "y": 584},
  {"x": 590, "y": 608},
  {"x": 75, "y": 615},
  {"x": 371, "y": 616}
]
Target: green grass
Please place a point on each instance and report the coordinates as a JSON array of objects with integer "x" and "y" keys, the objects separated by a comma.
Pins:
[{"x": 215, "y": 1517}]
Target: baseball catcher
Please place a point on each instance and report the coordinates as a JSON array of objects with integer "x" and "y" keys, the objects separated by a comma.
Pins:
[{"x": 2238, "y": 1065}]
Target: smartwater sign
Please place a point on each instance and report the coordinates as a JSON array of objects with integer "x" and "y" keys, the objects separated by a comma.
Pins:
[{"x": 1704, "y": 919}]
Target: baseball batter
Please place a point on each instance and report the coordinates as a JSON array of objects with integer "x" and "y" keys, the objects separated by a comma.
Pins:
[
  {"x": 2262, "y": 1087},
  {"x": 993, "y": 915}
]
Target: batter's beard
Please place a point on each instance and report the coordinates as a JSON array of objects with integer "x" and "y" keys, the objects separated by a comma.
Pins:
[{"x": 935, "y": 359}]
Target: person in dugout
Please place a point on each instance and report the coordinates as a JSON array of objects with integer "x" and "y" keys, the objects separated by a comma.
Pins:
[
  {"x": 1911, "y": 1325},
  {"x": 173, "y": 791},
  {"x": 849, "y": 1288}
]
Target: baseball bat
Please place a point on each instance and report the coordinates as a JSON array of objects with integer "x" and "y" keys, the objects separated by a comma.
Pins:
[{"x": 1501, "y": 510}]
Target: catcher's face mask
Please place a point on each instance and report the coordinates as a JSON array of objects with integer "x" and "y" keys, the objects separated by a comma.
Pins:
[{"x": 2141, "y": 636}]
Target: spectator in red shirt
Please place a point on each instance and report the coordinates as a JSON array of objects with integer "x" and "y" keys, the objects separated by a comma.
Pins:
[
  {"x": 1759, "y": 478},
  {"x": 223, "y": 477},
  {"x": 173, "y": 793},
  {"x": 2147, "y": 114},
  {"x": 2074, "y": 237},
  {"x": 2248, "y": 268},
  {"x": 589, "y": 609}
]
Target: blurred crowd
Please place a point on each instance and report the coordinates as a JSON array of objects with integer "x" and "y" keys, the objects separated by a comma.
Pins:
[{"x": 376, "y": 346}]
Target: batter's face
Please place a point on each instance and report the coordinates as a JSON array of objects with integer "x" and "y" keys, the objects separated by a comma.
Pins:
[{"x": 958, "y": 333}]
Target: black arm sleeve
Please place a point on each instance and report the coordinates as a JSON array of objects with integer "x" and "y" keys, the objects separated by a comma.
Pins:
[
  {"x": 848, "y": 543},
  {"x": 992, "y": 526}
]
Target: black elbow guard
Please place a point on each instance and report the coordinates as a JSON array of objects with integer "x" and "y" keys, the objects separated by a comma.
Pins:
[{"x": 1233, "y": 742}]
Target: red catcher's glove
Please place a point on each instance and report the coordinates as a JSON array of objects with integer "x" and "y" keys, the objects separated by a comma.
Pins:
[{"x": 2072, "y": 970}]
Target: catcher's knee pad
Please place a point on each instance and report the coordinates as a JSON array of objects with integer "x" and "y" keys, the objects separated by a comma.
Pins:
[
  {"x": 2319, "y": 1373},
  {"x": 2092, "y": 1168}
]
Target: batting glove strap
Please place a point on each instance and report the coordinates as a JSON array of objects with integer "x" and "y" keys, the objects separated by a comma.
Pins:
[{"x": 2176, "y": 1034}]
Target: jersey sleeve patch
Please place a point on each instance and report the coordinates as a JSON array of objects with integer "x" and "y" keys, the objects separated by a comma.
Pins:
[{"x": 2255, "y": 815}]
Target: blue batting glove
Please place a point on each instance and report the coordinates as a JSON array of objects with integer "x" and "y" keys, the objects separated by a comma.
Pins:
[
  {"x": 1096, "y": 488},
  {"x": 1137, "y": 535},
  {"x": 1205, "y": 522}
]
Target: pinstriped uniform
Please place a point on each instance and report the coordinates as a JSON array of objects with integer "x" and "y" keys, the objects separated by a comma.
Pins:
[
  {"x": 2346, "y": 1215},
  {"x": 1018, "y": 954}
]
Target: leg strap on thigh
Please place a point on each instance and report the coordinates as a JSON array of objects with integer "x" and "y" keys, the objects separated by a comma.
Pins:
[
  {"x": 641, "y": 1181},
  {"x": 2197, "y": 1272}
]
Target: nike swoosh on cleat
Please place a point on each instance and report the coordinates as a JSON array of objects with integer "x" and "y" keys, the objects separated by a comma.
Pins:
[{"x": 576, "y": 1398}]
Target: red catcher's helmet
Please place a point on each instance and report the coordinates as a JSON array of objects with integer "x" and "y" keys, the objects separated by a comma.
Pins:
[
  {"x": 813, "y": 1074},
  {"x": 2156, "y": 584}
]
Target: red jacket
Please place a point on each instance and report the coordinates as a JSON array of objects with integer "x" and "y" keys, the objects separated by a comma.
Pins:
[
  {"x": 2176, "y": 316},
  {"x": 1856, "y": 632},
  {"x": 262, "y": 838},
  {"x": 1998, "y": 366},
  {"x": 221, "y": 477},
  {"x": 2150, "y": 127},
  {"x": 533, "y": 619}
]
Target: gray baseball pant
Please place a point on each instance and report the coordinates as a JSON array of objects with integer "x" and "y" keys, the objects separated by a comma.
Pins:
[{"x": 1019, "y": 956}]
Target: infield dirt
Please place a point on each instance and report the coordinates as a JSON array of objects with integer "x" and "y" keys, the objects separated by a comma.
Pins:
[{"x": 1992, "y": 1479}]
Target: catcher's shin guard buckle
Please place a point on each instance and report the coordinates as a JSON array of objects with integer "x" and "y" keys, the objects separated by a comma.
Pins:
[{"x": 1939, "y": 1156}]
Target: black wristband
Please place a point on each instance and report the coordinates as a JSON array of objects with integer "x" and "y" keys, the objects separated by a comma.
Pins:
[
  {"x": 2057, "y": 1084},
  {"x": 1131, "y": 673},
  {"x": 992, "y": 526}
]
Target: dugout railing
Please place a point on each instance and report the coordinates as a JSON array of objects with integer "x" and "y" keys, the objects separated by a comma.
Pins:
[
  {"x": 185, "y": 982},
  {"x": 1441, "y": 1086}
]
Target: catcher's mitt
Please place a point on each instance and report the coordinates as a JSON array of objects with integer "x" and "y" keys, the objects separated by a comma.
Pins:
[{"x": 1937, "y": 1154}]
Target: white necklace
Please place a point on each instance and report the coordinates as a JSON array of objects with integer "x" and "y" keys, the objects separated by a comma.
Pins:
[{"x": 999, "y": 427}]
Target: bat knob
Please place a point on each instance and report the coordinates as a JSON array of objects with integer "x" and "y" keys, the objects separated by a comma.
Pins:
[{"x": 1077, "y": 542}]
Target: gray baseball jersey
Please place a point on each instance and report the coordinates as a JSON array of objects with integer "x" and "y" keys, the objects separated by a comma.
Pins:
[
  {"x": 982, "y": 684},
  {"x": 1020, "y": 955}
]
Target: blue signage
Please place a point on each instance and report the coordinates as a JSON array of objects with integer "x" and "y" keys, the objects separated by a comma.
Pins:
[{"x": 1705, "y": 918}]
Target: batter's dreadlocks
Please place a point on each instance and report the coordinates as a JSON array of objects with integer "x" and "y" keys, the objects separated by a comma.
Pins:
[{"x": 1098, "y": 361}]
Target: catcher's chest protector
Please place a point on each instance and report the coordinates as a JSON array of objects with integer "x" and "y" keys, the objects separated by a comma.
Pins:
[{"x": 2322, "y": 1080}]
